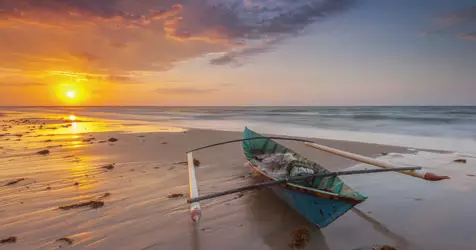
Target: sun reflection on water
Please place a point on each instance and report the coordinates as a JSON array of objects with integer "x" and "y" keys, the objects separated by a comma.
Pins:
[{"x": 76, "y": 144}]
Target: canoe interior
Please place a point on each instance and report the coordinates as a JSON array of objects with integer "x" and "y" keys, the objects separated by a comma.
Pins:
[{"x": 321, "y": 200}]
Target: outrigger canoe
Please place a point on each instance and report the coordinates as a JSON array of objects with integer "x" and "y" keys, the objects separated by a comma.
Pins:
[
  {"x": 321, "y": 200},
  {"x": 316, "y": 193}
]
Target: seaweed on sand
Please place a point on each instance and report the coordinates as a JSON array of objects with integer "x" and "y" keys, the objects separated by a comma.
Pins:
[
  {"x": 11, "y": 239},
  {"x": 66, "y": 239},
  {"x": 300, "y": 237},
  {"x": 14, "y": 182},
  {"x": 91, "y": 204}
]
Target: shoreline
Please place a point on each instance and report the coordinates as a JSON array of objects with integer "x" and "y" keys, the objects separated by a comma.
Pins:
[{"x": 442, "y": 143}]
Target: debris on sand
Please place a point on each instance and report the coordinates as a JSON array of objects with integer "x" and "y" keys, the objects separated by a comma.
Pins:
[
  {"x": 472, "y": 175},
  {"x": 196, "y": 162},
  {"x": 76, "y": 183},
  {"x": 384, "y": 247},
  {"x": 112, "y": 139},
  {"x": 91, "y": 204},
  {"x": 14, "y": 182},
  {"x": 105, "y": 195},
  {"x": 175, "y": 195},
  {"x": 109, "y": 166},
  {"x": 43, "y": 152},
  {"x": 164, "y": 142},
  {"x": 48, "y": 141},
  {"x": 11, "y": 239},
  {"x": 300, "y": 237},
  {"x": 239, "y": 195},
  {"x": 141, "y": 136},
  {"x": 181, "y": 163},
  {"x": 90, "y": 139},
  {"x": 460, "y": 160},
  {"x": 66, "y": 239}
]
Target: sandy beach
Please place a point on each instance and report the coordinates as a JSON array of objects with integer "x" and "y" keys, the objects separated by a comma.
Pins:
[{"x": 127, "y": 171}]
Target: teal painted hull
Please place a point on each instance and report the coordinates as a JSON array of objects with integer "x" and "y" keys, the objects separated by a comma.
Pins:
[
  {"x": 319, "y": 211},
  {"x": 319, "y": 206}
]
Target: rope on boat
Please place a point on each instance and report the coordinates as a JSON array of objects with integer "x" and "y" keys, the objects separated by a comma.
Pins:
[{"x": 247, "y": 139}]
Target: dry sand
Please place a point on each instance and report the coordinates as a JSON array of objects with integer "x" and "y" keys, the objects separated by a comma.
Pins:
[{"x": 117, "y": 193}]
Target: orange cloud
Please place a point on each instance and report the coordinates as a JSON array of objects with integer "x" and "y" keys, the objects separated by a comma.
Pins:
[{"x": 121, "y": 42}]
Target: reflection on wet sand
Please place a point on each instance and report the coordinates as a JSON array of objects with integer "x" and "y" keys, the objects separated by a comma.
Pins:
[
  {"x": 194, "y": 227},
  {"x": 400, "y": 241},
  {"x": 274, "y": 222}
]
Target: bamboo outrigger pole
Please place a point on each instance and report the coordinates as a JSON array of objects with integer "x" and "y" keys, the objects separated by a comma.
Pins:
[
  {"x": 415, "y": 173},
  {"x": 195, "y": 210},
  {"x": 194, "y": 198},
  {"x": 295, "y": 179}
]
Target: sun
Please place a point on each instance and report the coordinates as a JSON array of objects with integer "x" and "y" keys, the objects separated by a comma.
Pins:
[{"x": 71, "y": 94}]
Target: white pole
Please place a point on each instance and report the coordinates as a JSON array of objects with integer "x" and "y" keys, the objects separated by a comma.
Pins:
[
  {"x": 195, "y": 210},
  {"x": 415, "y": 173}
]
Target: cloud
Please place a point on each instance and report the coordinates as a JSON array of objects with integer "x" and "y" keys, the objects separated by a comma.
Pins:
[
  {"x": 234, "y": 20},
  {"x": 184, "y": 90},
  {"x": 208, "y": 20},
  {"x": 462, "y": 15},
  {"x": 122, "y": 79},
  {"x": 462, "y": 19},
  {"x": 117, "y": 44},
  {"x": 22, "y": 84},
  {"x": 233, "y": 57},
  {"x": 85, "y": 56},
  {"x": 119, "y": 37},
  {"x": 39, "y": 11},
  {"x": 469, "y": 36}
]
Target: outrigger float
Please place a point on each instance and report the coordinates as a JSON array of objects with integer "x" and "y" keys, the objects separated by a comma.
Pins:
[{"x": 316, "y": 193}]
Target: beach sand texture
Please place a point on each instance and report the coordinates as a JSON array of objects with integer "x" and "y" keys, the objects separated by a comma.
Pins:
[{"x": 127, "y": 182}]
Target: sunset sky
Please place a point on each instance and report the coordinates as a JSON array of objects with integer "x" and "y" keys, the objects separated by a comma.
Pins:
[{"x": 237, "y": 52}]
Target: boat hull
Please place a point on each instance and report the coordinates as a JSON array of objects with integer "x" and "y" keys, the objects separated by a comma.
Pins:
[
  {"x": 320, "y": 211},
  {"x": 319, "y": 207}
]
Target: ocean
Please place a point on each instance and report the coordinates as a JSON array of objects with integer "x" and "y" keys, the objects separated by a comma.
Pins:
[{"x": 432, "y": 127}]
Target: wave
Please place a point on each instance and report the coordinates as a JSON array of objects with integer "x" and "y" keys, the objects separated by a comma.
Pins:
[
  {"x": 407, "y": 118},
  {"x": 454, "y": 122}
]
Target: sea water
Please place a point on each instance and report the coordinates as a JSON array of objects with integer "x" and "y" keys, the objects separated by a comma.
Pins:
[{"x": 449, "y": 128}]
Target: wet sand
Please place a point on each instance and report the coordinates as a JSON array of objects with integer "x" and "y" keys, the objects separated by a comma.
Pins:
[{"x": 132, "y": 177}]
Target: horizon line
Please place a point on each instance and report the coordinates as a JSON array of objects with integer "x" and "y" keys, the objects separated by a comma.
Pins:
[{"x": 250, "y": 106}]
